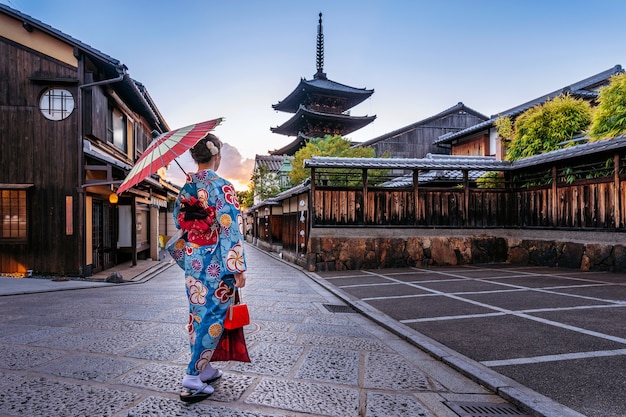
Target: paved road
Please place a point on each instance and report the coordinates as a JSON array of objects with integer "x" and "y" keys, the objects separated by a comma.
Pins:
[
  {"x": 121, "y": 350},
  {"x": 558, "y": 332}
]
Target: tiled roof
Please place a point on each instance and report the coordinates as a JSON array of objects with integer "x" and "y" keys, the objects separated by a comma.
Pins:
[
  {"x": 348, "y": 123},
  {"x": 425, "y": 177},
  {"x": 271, "y": 162},
  {"x": 431, "y": 162},
  {"x": 57, "y": 33},
  {"x": 325, "y": 87},
  {"x": 475, "y": 163},
  {"x": 580, "y": 89}
]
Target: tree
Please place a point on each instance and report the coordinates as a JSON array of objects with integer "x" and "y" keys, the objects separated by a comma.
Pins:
[
  {"x": 545, "y": 127},
  {"x": 609, "y": 118},
  {"x": 246, "y": 197},
  {"x": 329, "y": 146},
  {"x": 265, "y": 183}
]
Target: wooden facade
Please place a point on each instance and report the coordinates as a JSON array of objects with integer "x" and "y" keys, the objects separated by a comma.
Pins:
[
  {"x": 418, "y": 139},
  {"x": 72, "y": 122}
]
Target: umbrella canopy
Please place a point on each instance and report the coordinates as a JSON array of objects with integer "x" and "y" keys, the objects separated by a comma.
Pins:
[{"x": 165, "y": 148}]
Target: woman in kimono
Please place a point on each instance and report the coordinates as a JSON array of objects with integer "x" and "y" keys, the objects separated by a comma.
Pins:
[{"x": 212, "y": 256}]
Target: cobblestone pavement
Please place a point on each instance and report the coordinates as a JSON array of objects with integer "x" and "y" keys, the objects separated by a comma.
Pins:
[{"x": 121, "y": 350}]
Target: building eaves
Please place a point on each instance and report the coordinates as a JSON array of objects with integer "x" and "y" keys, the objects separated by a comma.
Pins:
[
  {"x": 58, "y": 34},
  {"x": 292, "y": 126},
  {"x": 454, "y": 109},
  {"x": 353, "y": 95},
  {"x": 462, "y": 163},
  {"x": 271, "y": 162},
  {"x": 295, "y": 190}
]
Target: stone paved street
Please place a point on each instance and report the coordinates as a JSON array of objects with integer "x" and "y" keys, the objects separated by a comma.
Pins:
[{"x": 121, "y": 350}]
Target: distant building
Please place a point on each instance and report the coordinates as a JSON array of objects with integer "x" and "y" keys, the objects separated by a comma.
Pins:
[
  {"x": 320, "y": 107},
  {"x": 419, "y": 139}
]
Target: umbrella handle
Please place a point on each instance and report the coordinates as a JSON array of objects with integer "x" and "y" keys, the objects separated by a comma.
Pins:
[{"x": 181, "y": 168}]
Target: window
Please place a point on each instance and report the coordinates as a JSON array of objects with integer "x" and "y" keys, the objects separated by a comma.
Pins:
[
  {"x": 13, "y": 214},
  {"x": 56, "y": 104},
  {"x": 117, "y": 129}
]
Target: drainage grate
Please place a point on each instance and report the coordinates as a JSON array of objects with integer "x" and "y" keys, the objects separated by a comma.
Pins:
[
  {"x": 472, "y": 409},
  {"x": 338, "y": 308}
]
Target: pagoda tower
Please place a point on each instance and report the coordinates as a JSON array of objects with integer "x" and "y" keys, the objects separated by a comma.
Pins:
[{"x": 320, "y": 107}]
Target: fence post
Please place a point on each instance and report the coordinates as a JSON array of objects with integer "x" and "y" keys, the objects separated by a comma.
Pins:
[
  {"x": 617, "y": 210},
  {"x": 554, "y": 207},
  {"x": 312, "y": 199},
  {"x": 466, "y": 191},
  {"x": 416, "y": 195},
  {"x": 365, "y": 211}
]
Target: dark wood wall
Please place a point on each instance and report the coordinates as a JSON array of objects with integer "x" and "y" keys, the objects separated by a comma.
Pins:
[
  {"x": 35, "y": 150},
  {"x": 419, "y": 141}
]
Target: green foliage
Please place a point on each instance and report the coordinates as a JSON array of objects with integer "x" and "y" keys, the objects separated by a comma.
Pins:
[
  {"x": 504, "y": 125},
  {"x": 491, "y": 179},
  {"x": 265, "y": 183},
  {"x": 329, "y": 146},
  {"x": 246, "y": 197},
  {"x": 609, "y": 119},
  {"x": 542, "y": 128}
]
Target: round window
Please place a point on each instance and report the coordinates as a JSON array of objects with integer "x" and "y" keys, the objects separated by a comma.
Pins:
[{"x": 56, "y": 104}]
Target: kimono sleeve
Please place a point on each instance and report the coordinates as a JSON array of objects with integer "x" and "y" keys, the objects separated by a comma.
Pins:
[{"x": 231, "y": 234}]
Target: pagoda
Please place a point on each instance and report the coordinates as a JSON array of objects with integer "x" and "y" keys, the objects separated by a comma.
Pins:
[{"x": 320, "y": 107}]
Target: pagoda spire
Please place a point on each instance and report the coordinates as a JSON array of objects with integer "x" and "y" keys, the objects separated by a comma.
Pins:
[{"x": 320, "y": 52}]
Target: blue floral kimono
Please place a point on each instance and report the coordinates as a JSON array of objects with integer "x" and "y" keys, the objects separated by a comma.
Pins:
[{"x": 210, "y": 250}]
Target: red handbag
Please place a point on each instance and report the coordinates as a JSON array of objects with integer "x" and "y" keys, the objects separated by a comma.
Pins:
[
  {"x": 231, "y": 347},
  {"x": 237, "y": 314}
]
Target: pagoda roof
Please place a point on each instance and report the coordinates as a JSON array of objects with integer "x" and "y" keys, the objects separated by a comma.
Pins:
[
  {"x": 345, "y": 123},
  {"x": 293, "y": 147},
  {"x": 322, "y": 86}
]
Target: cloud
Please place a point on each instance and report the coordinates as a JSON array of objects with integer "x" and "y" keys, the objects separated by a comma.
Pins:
[
  {"x": 236, "y": 168},
  {"x": 233, "y": 167}
]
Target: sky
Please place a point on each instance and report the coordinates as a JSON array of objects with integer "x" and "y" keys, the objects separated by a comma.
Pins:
[{"x": 202, "y": 59}]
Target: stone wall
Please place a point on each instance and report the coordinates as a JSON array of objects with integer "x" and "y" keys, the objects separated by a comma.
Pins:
[{"x": 334, "y": 250}]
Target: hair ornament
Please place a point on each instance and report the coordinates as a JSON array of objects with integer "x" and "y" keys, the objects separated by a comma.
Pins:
[{"x": 212, "y": 148}]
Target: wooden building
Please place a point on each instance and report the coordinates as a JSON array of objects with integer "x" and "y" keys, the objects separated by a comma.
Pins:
[
  {"x": 72, "y": 123},
  {"x": 481, "y": 139},
  {"x": 419, "y": 139},
  {"x": 320, "y": 107}
]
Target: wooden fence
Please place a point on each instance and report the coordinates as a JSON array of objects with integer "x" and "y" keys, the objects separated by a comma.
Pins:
[{"x": 597, "y": 204}]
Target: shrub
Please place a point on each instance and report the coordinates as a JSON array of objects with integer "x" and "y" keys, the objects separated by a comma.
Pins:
[
  {"x": 545, "y": 127},
  {"x": 609, "y": 119}
]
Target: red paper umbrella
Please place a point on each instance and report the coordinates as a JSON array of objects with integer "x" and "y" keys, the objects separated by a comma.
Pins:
[{"x": 165, "y": 148}]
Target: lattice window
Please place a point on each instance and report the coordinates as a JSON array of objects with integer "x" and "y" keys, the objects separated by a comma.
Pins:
[
  {"x": 13, "y": 214},
  {"x": 56, "y": 104}
]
